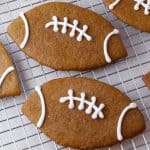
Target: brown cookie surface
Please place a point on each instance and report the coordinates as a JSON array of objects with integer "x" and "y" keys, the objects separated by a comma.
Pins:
[
  {"x": 146, "y": 79},
  {"x": 125, "y": 10},
  {"x": 9, "y": 85},
  {"x": 61, "y": 38},
  {"x": 83, "y": 113}
]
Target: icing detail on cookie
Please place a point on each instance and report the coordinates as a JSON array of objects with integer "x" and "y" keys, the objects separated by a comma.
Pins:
[
  {"x": 74, "y": 27},
  {"x": 105, "y": 46},
  {"x": 119, "y": 124},
  {"x": 144, "y": 4},
  {"x": 6, "y": 72},
  {"x": 92, "y": 108},
  {"x": 113, "y": 5},
  {"x": 42, "y": 117},
  {"x": 26, "y": 37}
]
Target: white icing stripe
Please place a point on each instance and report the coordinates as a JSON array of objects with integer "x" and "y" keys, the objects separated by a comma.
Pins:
[
  {"x": 112, "y": 5},
  {"x": 82, "y": 32},
  {"x": 119, "y": 124},
  {"x": 6, "y": 72},
  {"x": 107, "y": 57},
  {"x": 92, "y": 108},
  {"x": 42, "y": 116},
  {"x": 26, "y": 37}
]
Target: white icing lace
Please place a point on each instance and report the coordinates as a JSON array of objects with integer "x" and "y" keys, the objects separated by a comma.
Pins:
[
  {"x": 92, "y": 108},
  {"x": 145, "y": 4},
  {"x": 74, "y": 27}
]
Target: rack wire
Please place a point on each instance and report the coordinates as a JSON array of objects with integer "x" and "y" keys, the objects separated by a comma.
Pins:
[{"x": 16, "y": 132}]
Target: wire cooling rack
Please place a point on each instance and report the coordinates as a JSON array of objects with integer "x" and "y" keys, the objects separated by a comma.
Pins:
[{"x": 16, "y": 132}]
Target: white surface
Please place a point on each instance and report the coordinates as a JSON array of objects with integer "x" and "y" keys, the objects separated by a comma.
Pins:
[{"x": 16, "y": 132}]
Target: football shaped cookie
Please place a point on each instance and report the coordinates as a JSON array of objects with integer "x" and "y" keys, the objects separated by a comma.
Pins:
[
  {"x": 9, "y": 85},
  {"x": 83, "y": 113},
  {"x": 133, "y": 12},
  {"x": 67, "y": 37},
  {"x": 146, "y": 79}
]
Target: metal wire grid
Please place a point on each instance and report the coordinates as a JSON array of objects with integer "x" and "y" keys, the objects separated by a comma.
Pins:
[{"x": 16, "y": 132}]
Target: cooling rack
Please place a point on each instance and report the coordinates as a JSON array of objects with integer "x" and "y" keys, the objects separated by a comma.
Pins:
[{"x": 16, "y": 132}]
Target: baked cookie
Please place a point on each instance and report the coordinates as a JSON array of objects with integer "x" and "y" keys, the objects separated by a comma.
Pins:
[
  {"x": 57, "y": 35},
  {"x": 146, "y": 79},
  {"x": 83, "y": 113},
  {"x": 133, "y": 12},
  {"x": 9, "y": 85}
]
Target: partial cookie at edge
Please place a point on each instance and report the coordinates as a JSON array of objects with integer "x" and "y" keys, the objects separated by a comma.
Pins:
[
  {"x": 146, "y": 79},
  {"x": 9, "y": 84}
]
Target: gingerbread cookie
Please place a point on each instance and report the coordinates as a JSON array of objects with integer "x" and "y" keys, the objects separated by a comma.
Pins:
[
  {"x": 57, "y": 35},
  {"x": 9, "y": 85},
  {"x": 146, "y": 79},
  {"x": 83, "y": 113},
  {"x": 133, "y": 12}
]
